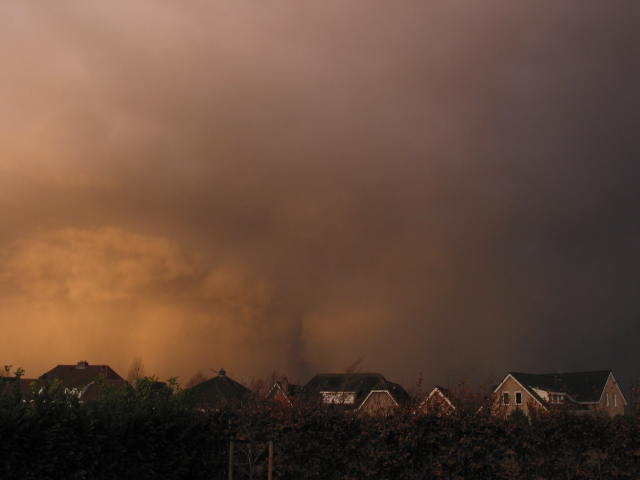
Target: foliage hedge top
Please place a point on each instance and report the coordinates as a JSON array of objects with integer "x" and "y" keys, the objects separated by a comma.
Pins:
[{"x": 153, "y": 432}]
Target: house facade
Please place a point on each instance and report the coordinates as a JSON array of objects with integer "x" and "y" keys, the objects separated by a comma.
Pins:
[
  {"x": 596, "y": 392},
  {"x": 438, "y": 402}
]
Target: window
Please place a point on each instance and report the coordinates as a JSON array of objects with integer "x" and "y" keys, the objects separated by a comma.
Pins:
[
  {"x": 556, "y": 398},
  {"x": 505, "y": 398},
  {"x": 338, "y": 398},
  {"x": 606, "y": 399},
  {"x": 615, "y": 400},
  {"x": 518, "y": 398}
]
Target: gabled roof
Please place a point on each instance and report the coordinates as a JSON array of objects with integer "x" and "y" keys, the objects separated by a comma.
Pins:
[
  {"x": 220, "y": 391},
  {"x": 81, "y": 374},
  {"x": 289, "y": 390},
  {"x": 445, "y": 393},
  {"x": 359, "y": 383},
  {"x": 582, "y": 387}
]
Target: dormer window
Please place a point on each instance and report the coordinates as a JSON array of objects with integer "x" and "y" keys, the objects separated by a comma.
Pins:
[
  {"x": 557, "y": 398},
  {"x": 505, "y": 398},
  {"x": 338, "y": 398},
  {"x": 518, "y": 398}
]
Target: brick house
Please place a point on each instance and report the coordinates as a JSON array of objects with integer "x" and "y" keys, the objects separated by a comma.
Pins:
[
  {"x": 594, "y": 392},
  {"x": 439, "y": 401},
  {"x": 81, "y": 378}
]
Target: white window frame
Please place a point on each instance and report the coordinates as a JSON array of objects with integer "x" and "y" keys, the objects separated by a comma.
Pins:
[
  {"x": 606, "y": 399},
  {"x": 515, "y": 397},
  {"x": 556, "y": 398}
]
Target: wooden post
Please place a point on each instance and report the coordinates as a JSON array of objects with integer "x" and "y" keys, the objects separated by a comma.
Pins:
[
  {"x": 231, "y": 445},
  {"x": 270, "y": 471}
]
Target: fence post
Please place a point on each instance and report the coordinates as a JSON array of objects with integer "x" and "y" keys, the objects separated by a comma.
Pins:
[
  {"x": 231, "y": 445},
  {"x": 270, "y": 471}
]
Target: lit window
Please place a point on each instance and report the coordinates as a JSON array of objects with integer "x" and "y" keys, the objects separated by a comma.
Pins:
[
  {"x": 606, "y": 399},
  {"x": 505, "y": 398},
  {"x": 518, "y": 398}
]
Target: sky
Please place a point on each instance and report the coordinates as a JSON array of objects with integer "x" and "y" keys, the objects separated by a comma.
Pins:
[{"x": 426, "y": 189}]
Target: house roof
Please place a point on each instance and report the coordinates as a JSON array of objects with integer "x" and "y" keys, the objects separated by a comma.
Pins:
[
  {"x": 220, "y": 391},
  {"x": 293, "y": 389},
  {"x": 359, "y": 383},
  {"x": 288, "y": 389},
  {"x": 81, "y": 374},
  {"x": 444, "y": 392},
  {"x": 583, "y": 387},
  {"x": 92, "y": 390},
  {"x": 398, "y": 392}
]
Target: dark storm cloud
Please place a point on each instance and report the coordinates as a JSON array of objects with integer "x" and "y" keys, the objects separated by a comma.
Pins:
[{"x": 446, "y": 188}]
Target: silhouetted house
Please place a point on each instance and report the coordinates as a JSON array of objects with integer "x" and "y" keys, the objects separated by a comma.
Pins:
[
  {"x": 440, "y": 401},
  {"x": 220, "y": 392},
  {"x": 595, "y": 392},
  {"x": 284, "y": 392},
  {"x": 368, "y": 393},
  {"x": 84, "y": 379}
]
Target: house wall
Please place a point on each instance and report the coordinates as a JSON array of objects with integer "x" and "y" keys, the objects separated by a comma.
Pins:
[
  {"x": 529, "y": 403},
  {"x": 436, "y": 405},
  {"x": 612, "y": 389},
  {"x": 378, "y": 403},
  {"x": 278, "y": 396}
]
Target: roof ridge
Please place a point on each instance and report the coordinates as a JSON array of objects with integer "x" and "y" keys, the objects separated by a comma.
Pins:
[{"x": 562, "y": 373}]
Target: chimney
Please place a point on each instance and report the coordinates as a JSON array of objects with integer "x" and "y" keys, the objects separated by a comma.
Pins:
[
  {"x": 222, "y": 373},
  {"x": 82, "y": 365}
]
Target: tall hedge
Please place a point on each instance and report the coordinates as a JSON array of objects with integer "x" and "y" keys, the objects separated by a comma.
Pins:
[{"x": 153, "y": 433}]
